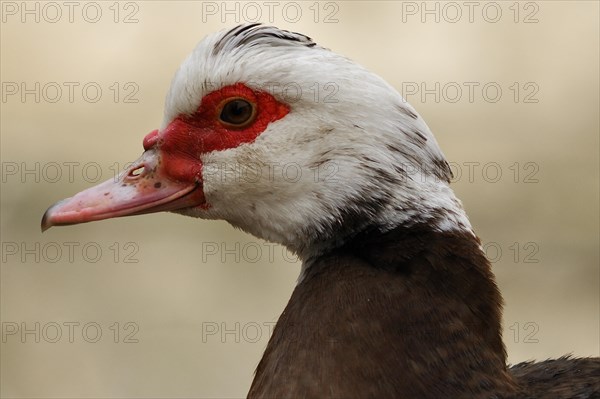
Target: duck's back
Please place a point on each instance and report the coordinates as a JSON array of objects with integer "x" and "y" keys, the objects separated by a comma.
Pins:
[{"x": 559, "y": 378}]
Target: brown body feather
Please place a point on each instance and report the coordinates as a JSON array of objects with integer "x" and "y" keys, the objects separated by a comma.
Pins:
[{"x": 407, "y": 314}]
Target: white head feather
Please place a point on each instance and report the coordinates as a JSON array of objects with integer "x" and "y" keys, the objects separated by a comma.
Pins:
[{"x": 333, "y": 166}]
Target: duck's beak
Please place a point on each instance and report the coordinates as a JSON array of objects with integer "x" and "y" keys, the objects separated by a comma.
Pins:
[{"x": 142, "y": 188}]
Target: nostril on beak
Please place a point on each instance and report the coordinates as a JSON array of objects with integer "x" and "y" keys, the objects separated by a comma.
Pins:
[{"x": 136, "y": 172}]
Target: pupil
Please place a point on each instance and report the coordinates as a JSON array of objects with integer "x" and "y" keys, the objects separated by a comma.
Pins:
[
  {"x": 238, "y": 107},
  {"x": 236, "y": 112}
]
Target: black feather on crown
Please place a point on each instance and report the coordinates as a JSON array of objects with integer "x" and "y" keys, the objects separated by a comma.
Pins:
[{"x": 256, "y": 33}]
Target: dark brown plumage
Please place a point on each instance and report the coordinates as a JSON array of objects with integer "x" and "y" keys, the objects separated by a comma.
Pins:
[{"x": 408, "y": 314}]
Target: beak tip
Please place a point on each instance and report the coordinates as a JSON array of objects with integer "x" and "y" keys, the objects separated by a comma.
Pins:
[
  {"x": 47, "y": 219},
  {"x": 46, "y": 224}
]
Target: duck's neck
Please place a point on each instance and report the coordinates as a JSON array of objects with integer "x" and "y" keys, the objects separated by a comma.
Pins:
[{"x": 409, "y": 313}]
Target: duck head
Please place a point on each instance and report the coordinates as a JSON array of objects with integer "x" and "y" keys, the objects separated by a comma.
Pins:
[{"x": 284, "y": 139}]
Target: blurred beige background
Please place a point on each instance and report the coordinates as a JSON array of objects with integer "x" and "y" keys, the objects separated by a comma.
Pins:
[{"x": 192, "y": 316}]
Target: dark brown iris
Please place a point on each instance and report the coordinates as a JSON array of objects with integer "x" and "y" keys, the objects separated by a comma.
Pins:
[{"x": 237, "y": 113}]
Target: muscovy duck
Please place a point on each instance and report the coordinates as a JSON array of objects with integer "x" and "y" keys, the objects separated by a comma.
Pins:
[{"x": 396, "y": 298}]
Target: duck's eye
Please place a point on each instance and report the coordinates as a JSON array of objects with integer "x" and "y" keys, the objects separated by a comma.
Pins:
[{"x": 237, "y": 113}]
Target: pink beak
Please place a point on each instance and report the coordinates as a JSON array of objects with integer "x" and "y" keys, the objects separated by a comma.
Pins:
[{"x": 142, "y": 188}]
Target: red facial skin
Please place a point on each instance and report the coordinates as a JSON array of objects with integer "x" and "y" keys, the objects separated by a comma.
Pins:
[
  {"x": 168, "y": 176},
  {"x": 187, "y": 137}
]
